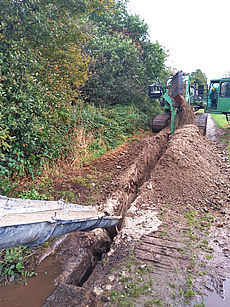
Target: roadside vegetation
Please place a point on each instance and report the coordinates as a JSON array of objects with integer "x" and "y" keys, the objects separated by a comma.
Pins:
[
  {"x": 73, "y": 85},
  {"x": 73, "y": 79},
  {"x": 220, "y": 120}
]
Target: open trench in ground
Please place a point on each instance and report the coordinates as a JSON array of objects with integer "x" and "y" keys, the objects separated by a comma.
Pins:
[
  {"x": 82, "y": 252},
  {"x": 84, "y": 262},
  {"x": 87, "y": 248},
  {"x": 184, "y": 181},
  {"x": 68, "y": 263},
  {"x": 183, "y": 254}
]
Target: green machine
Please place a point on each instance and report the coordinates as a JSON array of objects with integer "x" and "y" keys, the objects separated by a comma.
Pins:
[
  {"x": 213, "y": 99},
  {"x": 218, "y": 98}
]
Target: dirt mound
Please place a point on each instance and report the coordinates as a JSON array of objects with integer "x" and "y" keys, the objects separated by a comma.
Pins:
[
  {"x": 190, "y": 171},
  {"x": 125, "y": 186},
  {"x": 180, "y": 178},
  {"x": 186, "y": 114}
]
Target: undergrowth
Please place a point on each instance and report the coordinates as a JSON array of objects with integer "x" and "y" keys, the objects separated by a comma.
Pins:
[
  {"x": 13, "y": 264},
  {"x": 90, "y": 132},
  {"x": 93, "y": 131}
]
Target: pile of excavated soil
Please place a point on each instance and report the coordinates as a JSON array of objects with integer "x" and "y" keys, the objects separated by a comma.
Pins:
[
  {"x": 186, "y": 114},
  {"x": 181, "y": 172},
  {"x": 187, "y": 186},
  {"x": 163, "y": 186},
  {"x": 190, "y": 171}
]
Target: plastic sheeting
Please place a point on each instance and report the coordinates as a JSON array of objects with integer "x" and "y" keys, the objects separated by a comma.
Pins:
[{"x": 32, "y": 222}]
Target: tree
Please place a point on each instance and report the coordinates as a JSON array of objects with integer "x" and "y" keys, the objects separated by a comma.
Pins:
[
  {"x": 124, "y": 60},
  {"x": 199, "y": 77},
  {"x": 42, "y": 67}
]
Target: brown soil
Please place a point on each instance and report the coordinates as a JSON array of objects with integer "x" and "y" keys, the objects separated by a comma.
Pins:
[
  {"x": 186, "y": 115},
  {"x": 184, "y": 179},
  {"x": 172, "y": 246},
  {"x": 90, "y": 183}
]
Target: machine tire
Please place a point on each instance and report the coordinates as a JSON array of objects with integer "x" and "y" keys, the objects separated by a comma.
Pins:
[{"x": 160, "y": 122}]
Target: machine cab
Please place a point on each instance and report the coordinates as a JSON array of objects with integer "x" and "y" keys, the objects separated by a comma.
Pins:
[{"x": 219, "y": 96}]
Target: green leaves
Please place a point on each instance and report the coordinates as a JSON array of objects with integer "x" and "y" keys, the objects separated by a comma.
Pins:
[
  {"x": 12, "y": 263},
  {"x": 124, "y": 60},
  {"x": 199, "y": 77},
  {"x": 48, "y": 51},
  {"x": 110, "y": 123},
  {"x": 40, "y": 60}
]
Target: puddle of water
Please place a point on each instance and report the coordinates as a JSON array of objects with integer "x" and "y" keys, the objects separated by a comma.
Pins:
[
  {"x": 37, "y": 290},
  {"x": 215, "y": 300}
]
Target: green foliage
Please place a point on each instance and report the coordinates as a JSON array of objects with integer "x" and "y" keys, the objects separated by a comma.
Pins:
[
  {"x": 199, "y": 77},
  {"x": 33, "y": 194},
  {"x": 42, "y": 67},
  {"x": 110, "y": 123},
  {"x": 4, "y": 140},
  {"x": 124, "y": 60},
  {"x": 45, "y": 51},
  {"x": 12, "y": 263}
]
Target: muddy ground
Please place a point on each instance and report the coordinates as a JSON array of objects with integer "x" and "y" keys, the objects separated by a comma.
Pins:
[{"x": 171, "y": 247}]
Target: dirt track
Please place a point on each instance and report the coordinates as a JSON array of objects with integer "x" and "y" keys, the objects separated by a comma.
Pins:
[{"x": 172, "y": 247}]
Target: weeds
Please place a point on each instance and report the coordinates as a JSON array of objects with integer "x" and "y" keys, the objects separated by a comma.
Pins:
[
  {"x": 97, "y": 131},
  {"x": 12, "y": 264},
  {"x": 32, "y": 194}
]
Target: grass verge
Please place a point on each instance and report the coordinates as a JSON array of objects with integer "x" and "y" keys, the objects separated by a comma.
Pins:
[
  {"x": 222, "y": 123},
  {"x": 220, "y": 120}
]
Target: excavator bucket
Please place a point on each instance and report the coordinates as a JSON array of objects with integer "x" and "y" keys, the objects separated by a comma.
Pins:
[{"x": 176, "y": 85}]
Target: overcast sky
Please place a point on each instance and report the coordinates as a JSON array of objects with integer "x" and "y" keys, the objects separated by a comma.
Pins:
[{"x": 196, "y": 32}]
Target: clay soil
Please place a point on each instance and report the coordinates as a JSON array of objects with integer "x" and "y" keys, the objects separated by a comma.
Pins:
[{"x": 171, "y": 247}]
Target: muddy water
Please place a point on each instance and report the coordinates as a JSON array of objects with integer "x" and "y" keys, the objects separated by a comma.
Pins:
[
  {"x": 38, "y": 288},
  {"x": 215, "y": 300}
]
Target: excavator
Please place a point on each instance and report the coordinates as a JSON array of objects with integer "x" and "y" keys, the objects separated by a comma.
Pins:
[{"x": 214, "y": 98}]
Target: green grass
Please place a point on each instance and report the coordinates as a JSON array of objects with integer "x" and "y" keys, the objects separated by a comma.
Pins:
[
  {"x": 220, "y": 120},
  {"x": 222, "y": 123}
]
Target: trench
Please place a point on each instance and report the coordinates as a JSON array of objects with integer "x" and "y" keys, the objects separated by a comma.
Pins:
[
  {"x": 59, "y": 266},
  {"x": 126, "y": 199},
  {"x": 80, "y": 262}
]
